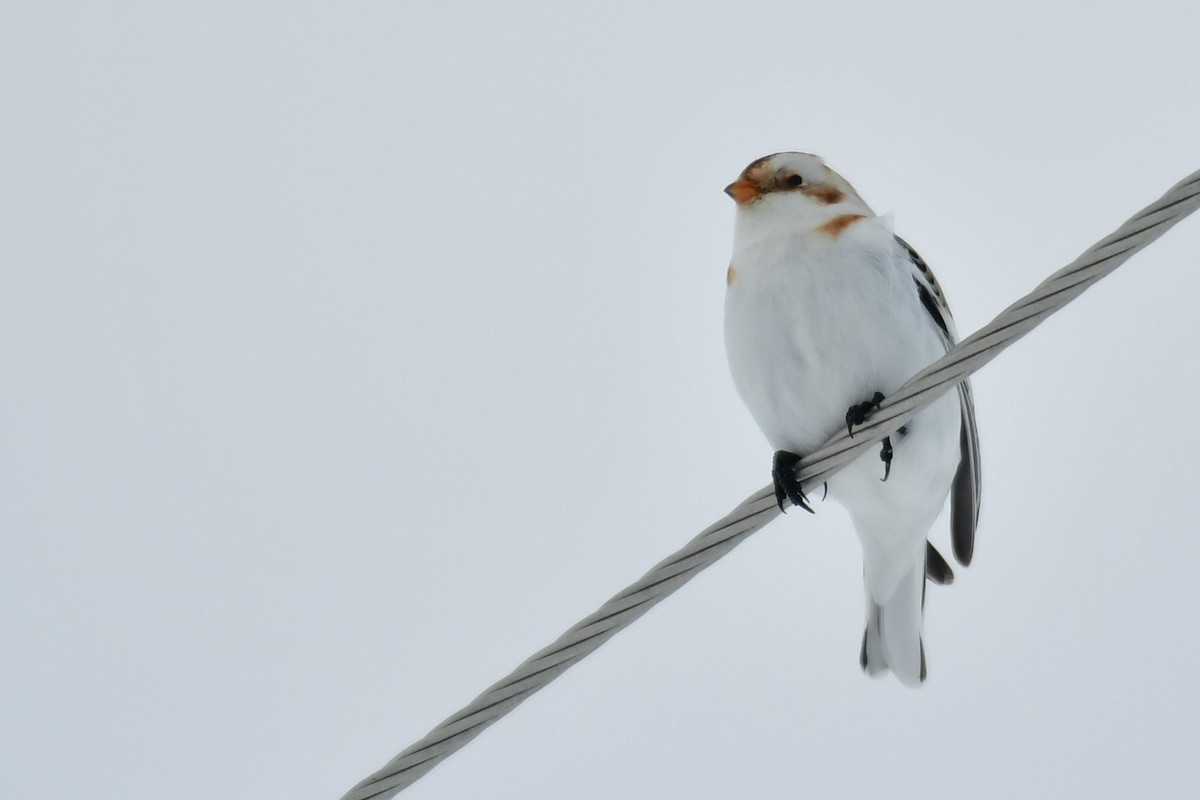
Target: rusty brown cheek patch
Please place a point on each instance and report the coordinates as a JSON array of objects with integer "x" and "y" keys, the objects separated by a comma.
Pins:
[
  {"x": 825, "y": 193},
  {"x": 836, "y": 225},
  {"x": 730, "y": 275}
]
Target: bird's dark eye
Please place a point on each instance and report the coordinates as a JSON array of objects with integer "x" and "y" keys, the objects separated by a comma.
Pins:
[{"x": 793, "y": 180}]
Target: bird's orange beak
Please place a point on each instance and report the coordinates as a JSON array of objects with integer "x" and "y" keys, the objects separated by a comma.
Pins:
[{"x": 743, "y": 190}]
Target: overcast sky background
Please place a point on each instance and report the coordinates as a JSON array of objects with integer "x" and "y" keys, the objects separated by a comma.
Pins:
[{"x": 353, "y": 351}]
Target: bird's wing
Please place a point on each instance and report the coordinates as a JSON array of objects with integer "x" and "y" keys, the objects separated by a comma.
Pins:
[{"x": 968, "y": 481}]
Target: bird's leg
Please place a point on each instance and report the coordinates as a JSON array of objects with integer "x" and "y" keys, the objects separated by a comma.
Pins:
[
  {"x": 786, "y": 486},
  {"x": 857, "y": 414}
]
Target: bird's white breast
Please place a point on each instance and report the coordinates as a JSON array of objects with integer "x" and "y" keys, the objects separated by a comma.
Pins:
[{"x": 816, "y": 322}]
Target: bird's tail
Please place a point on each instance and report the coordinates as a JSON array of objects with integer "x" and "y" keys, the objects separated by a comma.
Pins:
[{"x": 893, "y": 638}]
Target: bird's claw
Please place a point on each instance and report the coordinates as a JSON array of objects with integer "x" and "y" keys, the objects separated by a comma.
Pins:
[
  {"x": 885, "y": 455},
  {"x": 783, "y": 472},
  {"x": 857, "y": 413}
]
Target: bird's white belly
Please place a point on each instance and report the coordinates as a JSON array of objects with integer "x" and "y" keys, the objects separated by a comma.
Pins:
[{"x": 806, "y": 341}]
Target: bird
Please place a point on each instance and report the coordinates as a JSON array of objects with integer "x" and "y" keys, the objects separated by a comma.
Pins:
[{"x": 827, "y": 311}]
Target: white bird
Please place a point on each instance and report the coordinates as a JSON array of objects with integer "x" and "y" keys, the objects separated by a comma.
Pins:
[{"x": 826, "y": 312}]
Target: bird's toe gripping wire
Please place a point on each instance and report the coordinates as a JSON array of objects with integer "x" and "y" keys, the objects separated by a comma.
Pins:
[
  {"x": 783, "y": 472},
  {"x": 885, "y": 455},
  {"x": 857, "y": 413}
]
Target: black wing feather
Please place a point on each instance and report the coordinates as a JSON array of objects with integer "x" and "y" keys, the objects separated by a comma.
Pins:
[{"x": 965, "y": 492}]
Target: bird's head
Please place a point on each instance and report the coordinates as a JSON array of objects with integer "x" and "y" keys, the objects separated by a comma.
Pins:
[{"x": 799, "y": 178}]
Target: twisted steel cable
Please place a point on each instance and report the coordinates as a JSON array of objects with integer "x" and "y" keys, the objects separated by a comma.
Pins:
[{"x": 757, "y": 510}]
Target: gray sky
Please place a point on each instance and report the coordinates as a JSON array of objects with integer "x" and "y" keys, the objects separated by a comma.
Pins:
[{"x": 351, "y": 352}]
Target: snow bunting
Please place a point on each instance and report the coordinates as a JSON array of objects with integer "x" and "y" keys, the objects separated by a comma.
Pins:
[{"x": 827, "y": 311}]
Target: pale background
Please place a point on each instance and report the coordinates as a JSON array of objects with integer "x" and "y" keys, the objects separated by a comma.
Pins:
[{"x": 352, "y": 351}]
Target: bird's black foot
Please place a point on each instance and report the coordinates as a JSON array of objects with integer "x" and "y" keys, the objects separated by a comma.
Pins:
[
  {"x": 885, "y": 455},
  {"x": 783, "y": 472},
  {"x": 857, "y": 414}
]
